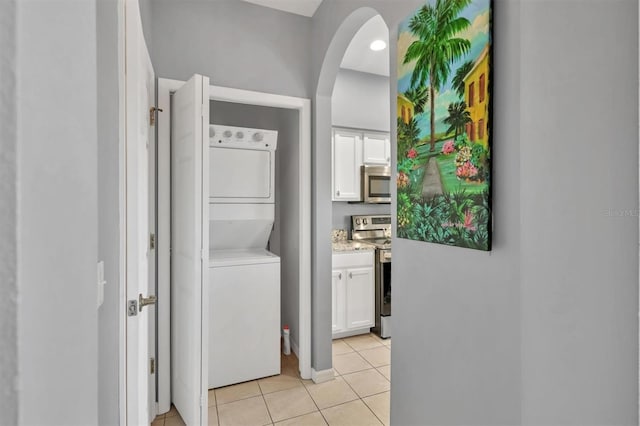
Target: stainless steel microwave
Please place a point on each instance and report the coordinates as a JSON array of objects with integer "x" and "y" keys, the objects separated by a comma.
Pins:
[{"x": 376, "y": 184}]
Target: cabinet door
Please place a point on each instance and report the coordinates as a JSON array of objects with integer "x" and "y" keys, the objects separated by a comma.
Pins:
[
  {"x": 376, "y": 149},
  {"x": 338, "y": 299},
  {"x": 346, "y": 162},
  {"x": 360, "y": 298}
]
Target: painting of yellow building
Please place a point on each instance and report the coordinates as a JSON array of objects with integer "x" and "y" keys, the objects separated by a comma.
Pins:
[
  {"x": 405, "y": 109},
  {"x": 476, "y": 95}
]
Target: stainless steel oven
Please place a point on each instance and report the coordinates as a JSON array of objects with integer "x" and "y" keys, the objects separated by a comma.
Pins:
[
  {"x": 383, "y": 293},
  {"x": 376, "y": 184},
  {"x": 376, "y": 231}
]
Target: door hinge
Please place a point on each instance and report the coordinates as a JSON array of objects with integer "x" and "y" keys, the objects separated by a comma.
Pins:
[
  {"x": 152, "y": 366},
  {"x": 152, "y": 115},
  {"x": 152, "y": 241}
]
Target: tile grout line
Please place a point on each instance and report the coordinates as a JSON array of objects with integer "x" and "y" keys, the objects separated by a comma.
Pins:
[
  {"x": 316, "y": 404},
  {"x": 266, "y": 405}
]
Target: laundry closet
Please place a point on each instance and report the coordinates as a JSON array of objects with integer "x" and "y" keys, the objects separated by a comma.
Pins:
[
  {"x": 240, "y": 251},
  {"x": 249, "y": 147}
]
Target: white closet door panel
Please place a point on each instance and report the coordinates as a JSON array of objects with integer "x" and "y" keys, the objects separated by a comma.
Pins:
[{"x": 189, "y": 235}]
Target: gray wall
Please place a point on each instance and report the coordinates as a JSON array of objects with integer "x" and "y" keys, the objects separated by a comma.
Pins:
[
  {"x": 57, "y": 245},
  {"x": 579, "y": 257},
  {"x": 360, "y": 100},
  {"x": 8, "y": 217},
  {"x": 108, "y": 210},
  {"x": 284, "y": 239},
  {"x": 235, "y": 43},
  {"x": 342, "y": 212},
  {"x": 543, "y": 329}
]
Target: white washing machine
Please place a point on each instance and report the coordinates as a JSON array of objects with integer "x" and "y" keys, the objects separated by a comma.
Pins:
[
  {"x": 244, "y": 306},
  {"x": 244, "y": 294}
]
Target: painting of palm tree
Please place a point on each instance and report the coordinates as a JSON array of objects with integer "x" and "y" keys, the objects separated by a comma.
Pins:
[
  {"x": 444, "y": 156},
  {"x": 437, "y": 46},
  {"x": 458, "y": 118}
]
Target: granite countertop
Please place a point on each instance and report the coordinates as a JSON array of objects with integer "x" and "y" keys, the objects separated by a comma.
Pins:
[
  {"x": 339, "y": 242},
  {"x": 350, "y": 245}
]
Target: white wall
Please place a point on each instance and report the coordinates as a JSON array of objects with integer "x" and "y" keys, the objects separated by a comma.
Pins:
[
  {"x": 108, "y": 209},
  {"x": 361, "y": 100},
  {"x": 57, "y": 212},
  {"x": 8, "y": 217}
]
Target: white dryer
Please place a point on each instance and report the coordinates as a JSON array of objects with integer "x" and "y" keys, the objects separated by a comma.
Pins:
[{"x": 244, "y": 296}]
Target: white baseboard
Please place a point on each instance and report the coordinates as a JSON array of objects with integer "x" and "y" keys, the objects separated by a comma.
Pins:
[
  {"x": 322, "y": 376},
  {"x": 341, "y": 334}
]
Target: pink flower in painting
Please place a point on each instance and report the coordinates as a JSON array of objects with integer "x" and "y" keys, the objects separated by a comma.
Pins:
[
  {"x": 468, "y": 221},
  {"x": 412, "y": 153},
  {"x": 448, "y": 147},
  {"x": 467, "y": 170}
]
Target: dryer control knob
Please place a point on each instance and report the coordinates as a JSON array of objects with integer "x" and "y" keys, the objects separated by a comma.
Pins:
[
  {"x": 227, "y": 134},
  {"x": 257, "y": 137},
  {"x": 239, "y": 135}
]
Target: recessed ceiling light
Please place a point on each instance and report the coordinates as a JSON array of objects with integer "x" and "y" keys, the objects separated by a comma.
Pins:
[{"x": 378, "y": 45}]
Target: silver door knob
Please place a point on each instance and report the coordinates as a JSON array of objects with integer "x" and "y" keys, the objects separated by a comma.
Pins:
[{"x": 144, "y": 301}]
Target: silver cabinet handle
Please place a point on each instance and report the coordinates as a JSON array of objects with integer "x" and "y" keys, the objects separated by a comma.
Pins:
[
  {"x": 340, "y": 276},
  {"x": 338, "y": 193},
  {"x": 350, "y": 275}
]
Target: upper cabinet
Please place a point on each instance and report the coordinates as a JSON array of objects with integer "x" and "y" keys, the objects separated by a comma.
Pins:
[
  {"x": 346, "y": 162},
  {"x": 376, "y": 149},
  {"x": 350, "y": 149}
]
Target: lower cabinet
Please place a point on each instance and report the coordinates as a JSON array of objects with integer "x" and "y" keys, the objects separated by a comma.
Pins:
[{"x": 352, "y": 289}]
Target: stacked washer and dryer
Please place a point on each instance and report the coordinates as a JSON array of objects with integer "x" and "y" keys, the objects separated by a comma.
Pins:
[{"x": 244, "y": 294}]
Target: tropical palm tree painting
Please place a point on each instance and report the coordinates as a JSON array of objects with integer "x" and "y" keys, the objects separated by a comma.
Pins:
[{"x": 444, "y": 156}]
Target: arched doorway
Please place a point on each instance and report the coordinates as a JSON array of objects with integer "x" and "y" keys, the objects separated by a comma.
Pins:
[{"x": 329, "y": 74}]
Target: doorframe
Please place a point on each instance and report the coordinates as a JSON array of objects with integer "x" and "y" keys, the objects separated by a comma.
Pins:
[
  {"x": 122, "y": 173},
  {"x": 225, "y": 94}
]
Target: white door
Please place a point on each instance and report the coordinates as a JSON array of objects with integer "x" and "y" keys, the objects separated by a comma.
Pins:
[
  {"x": 139, "y": 97},
  {"x": 360, "y": 298},
  {"x": 347, "y": 159},
  {"x": 189, "y": 249}
]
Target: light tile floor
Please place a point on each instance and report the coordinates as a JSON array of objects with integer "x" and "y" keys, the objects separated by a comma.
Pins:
[{"x": 359, "y": 395}]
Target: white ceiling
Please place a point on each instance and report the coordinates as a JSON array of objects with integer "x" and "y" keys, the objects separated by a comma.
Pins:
[
  {"x": 299, "y": 7},
  {"x": 359, "y": 57}
]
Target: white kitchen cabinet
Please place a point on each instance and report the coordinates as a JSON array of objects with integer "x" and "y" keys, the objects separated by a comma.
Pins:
[
  {"x": 376, "y": 149},
  {"x": 338, "y": 298},
  {"x": 346, "y": 161},
  {"x": 360, "y": 298},
  {"x": 353, "y": 297}
]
